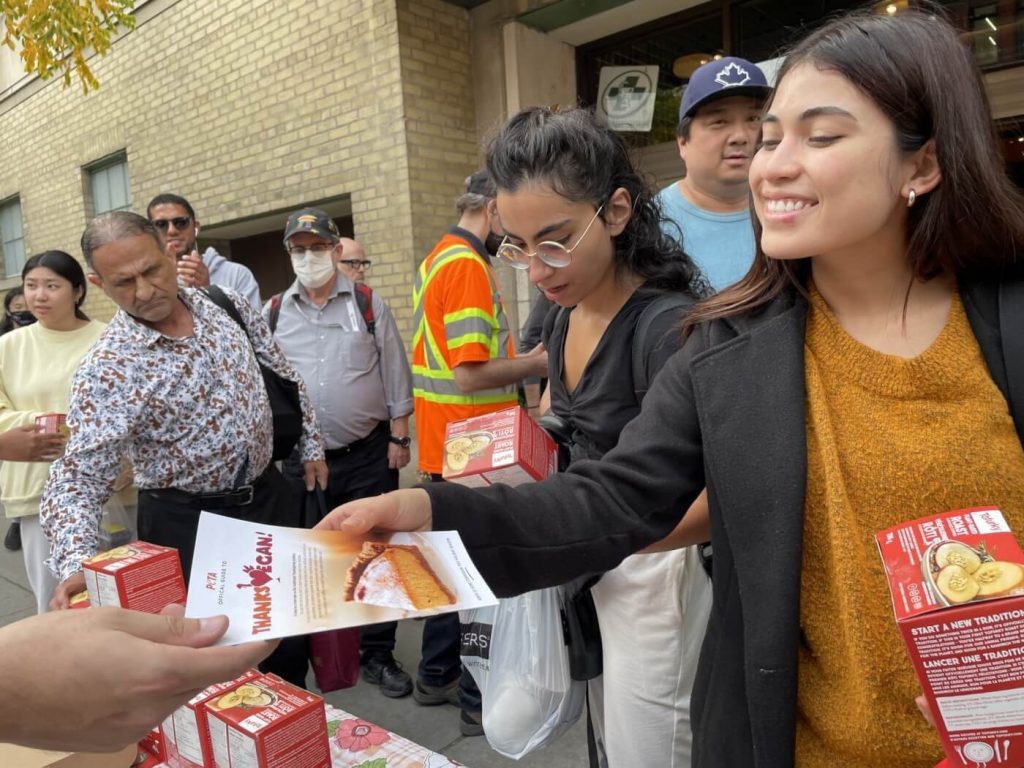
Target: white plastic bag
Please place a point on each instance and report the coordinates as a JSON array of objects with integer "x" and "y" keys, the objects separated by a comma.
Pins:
[{"x": 516, "y": 653}]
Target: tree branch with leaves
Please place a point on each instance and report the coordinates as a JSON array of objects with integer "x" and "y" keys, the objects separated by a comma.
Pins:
[{"x": 56, "y": 36}]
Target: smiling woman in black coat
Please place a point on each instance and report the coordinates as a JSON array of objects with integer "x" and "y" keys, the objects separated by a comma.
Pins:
[{"x": 868, "y": 370}]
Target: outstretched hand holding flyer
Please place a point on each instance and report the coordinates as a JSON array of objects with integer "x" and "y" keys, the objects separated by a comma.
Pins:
[{"x": 276, "y": 582}]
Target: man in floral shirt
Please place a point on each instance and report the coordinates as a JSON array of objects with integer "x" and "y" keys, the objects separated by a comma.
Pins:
[{"x": 173, "y": 384}]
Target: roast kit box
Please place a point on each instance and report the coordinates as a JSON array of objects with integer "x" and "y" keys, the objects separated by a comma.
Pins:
[
  {"x": 52, "y": 423},
  {"x": 957, "y": 584},
  {"x": 501, "y": 447},
  {"x": 266, "y": 722},
  {"x": 140, "y": 576},
  {"x": 185, "y": 734}
]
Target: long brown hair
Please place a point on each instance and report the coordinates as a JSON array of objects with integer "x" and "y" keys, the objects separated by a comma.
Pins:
[{"x": 923, "y": 78}]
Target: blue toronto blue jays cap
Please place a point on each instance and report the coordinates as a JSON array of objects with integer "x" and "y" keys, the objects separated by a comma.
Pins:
[{"x": 729, "y": 76}]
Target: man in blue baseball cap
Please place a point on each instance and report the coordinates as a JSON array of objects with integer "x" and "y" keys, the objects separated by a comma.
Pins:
[{"x": 719, "y": 122}]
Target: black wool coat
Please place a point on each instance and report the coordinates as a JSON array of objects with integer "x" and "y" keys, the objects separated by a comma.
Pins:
[{"x": 726, "y": 412}]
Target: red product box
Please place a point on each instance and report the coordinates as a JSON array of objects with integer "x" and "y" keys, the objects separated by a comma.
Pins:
[
  {"x": 140, "y": 576},
  {"x": 153, "y": 744},
  {"x": 268, "y": 723},
  {"x": 52, "y": 423},
  {"x": 957, "y": 584},
  {"x": 501, "y": 447},
  {"x": 186, "y": 731}
]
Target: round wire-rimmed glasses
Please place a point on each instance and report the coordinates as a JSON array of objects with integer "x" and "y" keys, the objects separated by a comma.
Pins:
[{"x": 551, "y": 253}]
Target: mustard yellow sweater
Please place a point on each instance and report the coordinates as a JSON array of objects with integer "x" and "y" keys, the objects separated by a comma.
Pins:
[
  {"x": 36, "y": 365},
  {"x": 888, "y": 440}
]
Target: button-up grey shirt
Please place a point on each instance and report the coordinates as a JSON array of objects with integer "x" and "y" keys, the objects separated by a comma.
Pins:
[{"x": 355, "y": 380}]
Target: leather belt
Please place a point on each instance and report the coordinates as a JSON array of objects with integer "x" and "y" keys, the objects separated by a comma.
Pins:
[{"x": 237, "y": 497}]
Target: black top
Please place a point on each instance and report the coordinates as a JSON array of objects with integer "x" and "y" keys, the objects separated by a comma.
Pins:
[{"x": 605, "y": 399}]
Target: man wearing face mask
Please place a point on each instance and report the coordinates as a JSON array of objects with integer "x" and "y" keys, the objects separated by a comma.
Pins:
[
  {"x": 463, "y": 365},
  {"x": 343, "y": 341}
]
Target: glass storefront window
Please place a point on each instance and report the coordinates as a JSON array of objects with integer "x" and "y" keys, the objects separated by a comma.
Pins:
[
  {"x": 759, "y": 30},
  {"x": 994, "y": 29},
  {"x": 763, "y": 29}
]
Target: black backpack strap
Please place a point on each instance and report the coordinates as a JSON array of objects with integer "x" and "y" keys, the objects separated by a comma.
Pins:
[
  {"x": 275, "y": 312},
  {"x": 364, "y": 300},
  {"x": 218, "y": 297},
  {"x": 665, "y": 302}
]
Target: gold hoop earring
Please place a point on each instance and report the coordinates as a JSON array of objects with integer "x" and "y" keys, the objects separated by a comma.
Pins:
[{"x": 911, "y": 198}]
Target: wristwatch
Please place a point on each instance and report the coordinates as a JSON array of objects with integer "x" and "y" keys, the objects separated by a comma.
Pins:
[{"x": 403, "y": 442}]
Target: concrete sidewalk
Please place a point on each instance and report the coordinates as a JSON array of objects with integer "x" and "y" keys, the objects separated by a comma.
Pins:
[{"x": 433, "y": 727}]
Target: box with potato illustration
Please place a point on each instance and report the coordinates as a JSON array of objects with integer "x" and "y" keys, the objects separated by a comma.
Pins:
[
  {"x": 266, "y": 722},
  {"x": 140, "y": 576},
  {"x": 957, "y": 584},
  {"x": 185, "y": 734},
  {"x": 501, "y": 447}
]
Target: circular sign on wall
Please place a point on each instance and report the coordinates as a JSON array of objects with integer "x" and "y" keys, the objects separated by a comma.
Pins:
[{"x": 626, "y": 97}]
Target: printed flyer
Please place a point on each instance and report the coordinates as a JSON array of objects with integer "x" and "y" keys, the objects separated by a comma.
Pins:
[{"x": 276, "y": 582}]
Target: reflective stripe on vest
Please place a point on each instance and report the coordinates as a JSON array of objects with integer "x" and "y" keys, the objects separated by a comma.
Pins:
[{"x": 433, "y": 380}]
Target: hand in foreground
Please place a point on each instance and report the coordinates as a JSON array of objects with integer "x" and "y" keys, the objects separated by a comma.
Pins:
[
  {"x": 67, "y": 589},
  {"x": 100, "y": 678},
  {"x": 29, "y": 444},
  {"x": 192, "y": 271},
  {"x": 405, "y": 510}
]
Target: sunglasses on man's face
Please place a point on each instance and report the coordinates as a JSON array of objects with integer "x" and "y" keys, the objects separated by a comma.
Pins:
[
  {"x": 179, "y": 222},
  {"x": 356, "y": 263}
]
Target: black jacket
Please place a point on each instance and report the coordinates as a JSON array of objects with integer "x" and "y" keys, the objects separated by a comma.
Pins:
[{"x": 728, "y": 412}]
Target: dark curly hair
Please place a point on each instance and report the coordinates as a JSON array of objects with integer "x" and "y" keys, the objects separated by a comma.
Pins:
[{"x": 581, "y": 160}]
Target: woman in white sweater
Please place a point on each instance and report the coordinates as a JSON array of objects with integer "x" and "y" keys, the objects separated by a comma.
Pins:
[{"x": 36, "y": 365}]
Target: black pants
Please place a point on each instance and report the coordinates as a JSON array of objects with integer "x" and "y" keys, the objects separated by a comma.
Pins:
[
  {"x": 357, "y": 472},
  {"x": 172, "y": 523},
  {"x": 440, "y": 660}
]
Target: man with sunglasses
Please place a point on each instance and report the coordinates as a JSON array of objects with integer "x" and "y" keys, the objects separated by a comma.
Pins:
[
  {"x": 352, "y": 359},
  {"x": 463, "y": 365},
  {"x": 178, "y": 226},
  {"x": 353, "y": 263}
]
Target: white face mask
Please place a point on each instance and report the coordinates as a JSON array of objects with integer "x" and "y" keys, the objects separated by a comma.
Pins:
[{"x": 313, "y": 268}]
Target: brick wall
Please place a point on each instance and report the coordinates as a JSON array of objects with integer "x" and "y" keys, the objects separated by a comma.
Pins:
[
  {"x": 247, "y": 108},
  {"x": 440, "y": 130}
]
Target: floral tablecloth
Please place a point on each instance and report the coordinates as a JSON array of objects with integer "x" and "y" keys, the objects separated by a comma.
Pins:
[{"x": 356, "y": 743}]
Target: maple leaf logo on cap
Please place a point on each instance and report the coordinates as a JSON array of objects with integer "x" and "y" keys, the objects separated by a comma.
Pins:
[{"x": 732, "y": 75}]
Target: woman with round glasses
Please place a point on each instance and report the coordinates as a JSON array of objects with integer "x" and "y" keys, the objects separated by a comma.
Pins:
[{"x": 581, "y": 221}]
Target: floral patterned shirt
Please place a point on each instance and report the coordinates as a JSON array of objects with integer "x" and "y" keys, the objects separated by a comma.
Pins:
[{"x": 191, "y": 413}]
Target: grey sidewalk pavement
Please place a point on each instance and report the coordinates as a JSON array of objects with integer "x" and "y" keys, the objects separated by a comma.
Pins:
[{"x": 433, "y": 727}]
